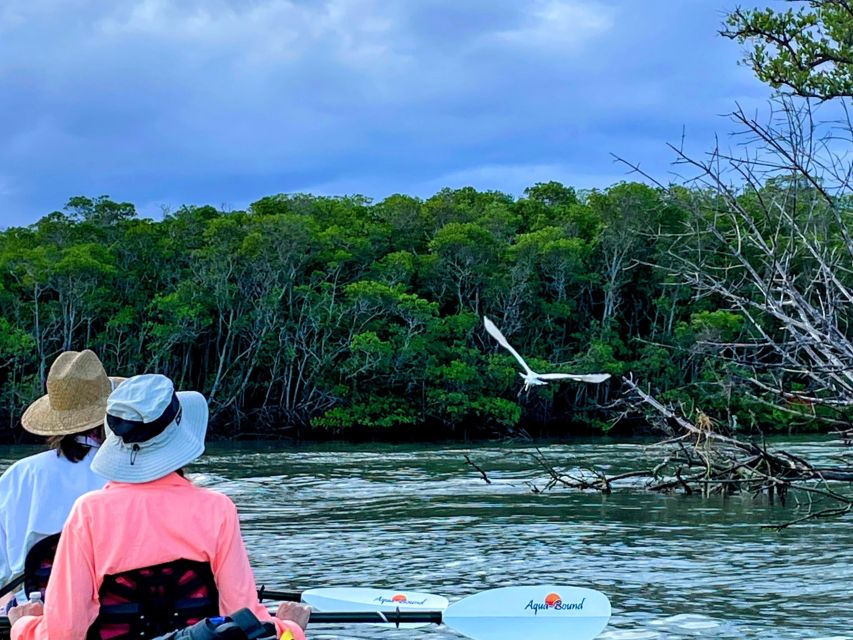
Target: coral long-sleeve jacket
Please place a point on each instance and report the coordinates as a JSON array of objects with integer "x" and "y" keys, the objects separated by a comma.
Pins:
[{"x": 129, "y": 526}]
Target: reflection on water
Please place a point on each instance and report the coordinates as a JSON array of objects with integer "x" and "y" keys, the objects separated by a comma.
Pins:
[{"x": 417, "y": 517}]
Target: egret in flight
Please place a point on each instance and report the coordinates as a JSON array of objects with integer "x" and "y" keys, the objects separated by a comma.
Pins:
[{"x": 530, "y": 377}]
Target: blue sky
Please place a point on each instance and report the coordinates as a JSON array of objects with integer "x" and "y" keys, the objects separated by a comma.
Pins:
[{"x": 169, "y": 102}]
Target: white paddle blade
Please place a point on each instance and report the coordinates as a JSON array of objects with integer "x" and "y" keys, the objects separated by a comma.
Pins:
[
  {"x": 367, "y": 599},
  {"x": 594, "y": 378},
  {"x": 543, "y": 612}
]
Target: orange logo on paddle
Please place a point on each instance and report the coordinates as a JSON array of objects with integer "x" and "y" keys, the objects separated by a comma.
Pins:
[
  {"x": 398, "y": 598},
  {"x": 552, "y": 598}
]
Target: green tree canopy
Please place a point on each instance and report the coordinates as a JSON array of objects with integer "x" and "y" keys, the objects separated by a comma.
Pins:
[{"x": 806, "y": 52}]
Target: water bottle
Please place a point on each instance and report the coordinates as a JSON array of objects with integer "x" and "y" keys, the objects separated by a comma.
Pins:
[{"x": 35, "y": 597}]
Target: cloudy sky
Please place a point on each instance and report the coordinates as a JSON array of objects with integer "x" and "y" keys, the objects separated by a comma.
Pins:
[{"x": 166, "y": 102}]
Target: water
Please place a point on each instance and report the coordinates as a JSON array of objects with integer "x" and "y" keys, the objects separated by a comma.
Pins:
[{"x": 418, "y": 517}]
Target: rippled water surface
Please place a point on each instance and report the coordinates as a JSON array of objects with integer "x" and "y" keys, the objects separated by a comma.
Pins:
[{"x": 418, "y": 517}]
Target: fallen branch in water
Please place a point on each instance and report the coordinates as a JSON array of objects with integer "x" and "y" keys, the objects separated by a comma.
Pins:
[
  {"x": 699, "y": 459},
  {"x": 600, "y": 481},
  {"x": 722, "y": 464}
]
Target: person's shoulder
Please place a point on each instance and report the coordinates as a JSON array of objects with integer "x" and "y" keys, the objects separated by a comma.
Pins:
[
  {"x": 215, "y": 497},
  {"x": 84, "y": 505},
  {"x": 94, "y": 497},
  {"x": 14, "y": 470},
  {"x": 213, "y": 501},
  {"x": 28, "y": 465}
]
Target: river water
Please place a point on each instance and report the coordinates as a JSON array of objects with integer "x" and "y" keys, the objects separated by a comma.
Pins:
[{"x": 417, "y": 517}]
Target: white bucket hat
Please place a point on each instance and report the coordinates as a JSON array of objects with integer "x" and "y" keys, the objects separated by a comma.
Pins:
[{"x": 151, "y": 430}]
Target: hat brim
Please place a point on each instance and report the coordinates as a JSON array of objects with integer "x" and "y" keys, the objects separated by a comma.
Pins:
[
  {"x": 42, "y": 419},
  {"x": 176, "y": 446}
]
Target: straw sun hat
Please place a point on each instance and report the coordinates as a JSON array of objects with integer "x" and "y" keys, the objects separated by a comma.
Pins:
[
  {"x": 76, "y": 400},
  {"x": 151, "y": 430}
]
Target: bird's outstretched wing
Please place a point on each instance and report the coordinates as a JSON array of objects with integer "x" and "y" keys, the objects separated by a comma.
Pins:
[
  {"x": 594, "y": 378},
  {"x": 497, "y": 335}
]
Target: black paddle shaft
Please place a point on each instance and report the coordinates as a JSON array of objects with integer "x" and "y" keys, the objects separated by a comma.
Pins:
[
  {"x": 394, "y": 617},
  {"x": 336, "y": 617},
  {"x": 290, "y": 596},
  {"x": 9, "y": 587}
]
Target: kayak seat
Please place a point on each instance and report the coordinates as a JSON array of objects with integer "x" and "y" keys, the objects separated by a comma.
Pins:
[
  {"x": 152, "y": 601},
  {"x": 38, "y": 563}
]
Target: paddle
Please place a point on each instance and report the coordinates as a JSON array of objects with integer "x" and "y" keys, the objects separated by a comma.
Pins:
[
  {"x": 11, "y": 586},
  {"x": 544, "y": 612},
  {"x": 348, "y": 599}
]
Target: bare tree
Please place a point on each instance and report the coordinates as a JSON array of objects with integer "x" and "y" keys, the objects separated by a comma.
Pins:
[{"x": 770, "y": 238}]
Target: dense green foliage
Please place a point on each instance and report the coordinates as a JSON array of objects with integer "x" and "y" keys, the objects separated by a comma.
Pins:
[
  {"x": 807, "y": 52},
  {"x": 343, "y": 316}
]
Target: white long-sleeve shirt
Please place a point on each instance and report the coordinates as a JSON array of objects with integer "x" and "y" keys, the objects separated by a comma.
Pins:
[{"x": 36, "y": 496}]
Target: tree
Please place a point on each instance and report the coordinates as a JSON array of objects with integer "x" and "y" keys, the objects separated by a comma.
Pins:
[
  {"x": 776, "y": 252},
  {"x": 551, "y": 193},
  {"x": 80, "y": 278},
  {"x": 631, "y": 215},
  {"x": 807, "y": 52},
  {"x": 465, "y": 254},
  {"x": 100, "y": 211}
]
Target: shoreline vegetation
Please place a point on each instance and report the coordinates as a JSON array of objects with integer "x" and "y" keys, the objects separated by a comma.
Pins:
[
  {"x": 338, "y": 317},
  {"x": 722, "y": 301}
]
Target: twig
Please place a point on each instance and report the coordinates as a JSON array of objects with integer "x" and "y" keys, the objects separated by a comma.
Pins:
[{"x": 478, "y": 468}]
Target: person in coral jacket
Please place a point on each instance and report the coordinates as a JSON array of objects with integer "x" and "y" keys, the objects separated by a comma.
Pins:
[{"x": 147, "y": 515}]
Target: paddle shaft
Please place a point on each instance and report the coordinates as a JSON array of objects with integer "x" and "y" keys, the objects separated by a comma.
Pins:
[
  {"x": 339, "y": 617},
  {"x": 394, "y": 617},
  {"x": 11, "y": 586},
  {"x": 292, "y": 596},
  {"x": 289, "y": 596}
]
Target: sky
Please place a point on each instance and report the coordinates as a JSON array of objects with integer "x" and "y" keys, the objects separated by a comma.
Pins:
[{"x": 170, "y": 102}]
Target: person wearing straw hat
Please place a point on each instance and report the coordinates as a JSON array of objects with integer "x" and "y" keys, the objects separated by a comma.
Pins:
[
  {"x": 37, "y": 492},
  {"x": 146, "y": 517}
]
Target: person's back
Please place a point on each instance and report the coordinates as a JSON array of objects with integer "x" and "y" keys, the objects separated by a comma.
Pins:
[
  {"x": 147, "y": 516},
  {"x": 160, "y": 521},
  {"x": 37, "y": 492},
  {"x": 36, "y": 495}
]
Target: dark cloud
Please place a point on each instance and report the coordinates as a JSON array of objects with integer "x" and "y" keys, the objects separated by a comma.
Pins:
[{"x": 170, "y": 102}]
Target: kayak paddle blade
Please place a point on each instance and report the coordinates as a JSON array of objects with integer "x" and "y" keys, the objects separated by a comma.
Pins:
[{"x": 543, "y": 612}]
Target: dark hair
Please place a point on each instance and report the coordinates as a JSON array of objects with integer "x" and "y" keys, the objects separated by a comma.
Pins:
[{"x": 67, "y": 446}]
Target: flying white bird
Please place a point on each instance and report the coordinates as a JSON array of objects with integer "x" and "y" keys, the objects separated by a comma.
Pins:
[{"x": 530, "y": 377}]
